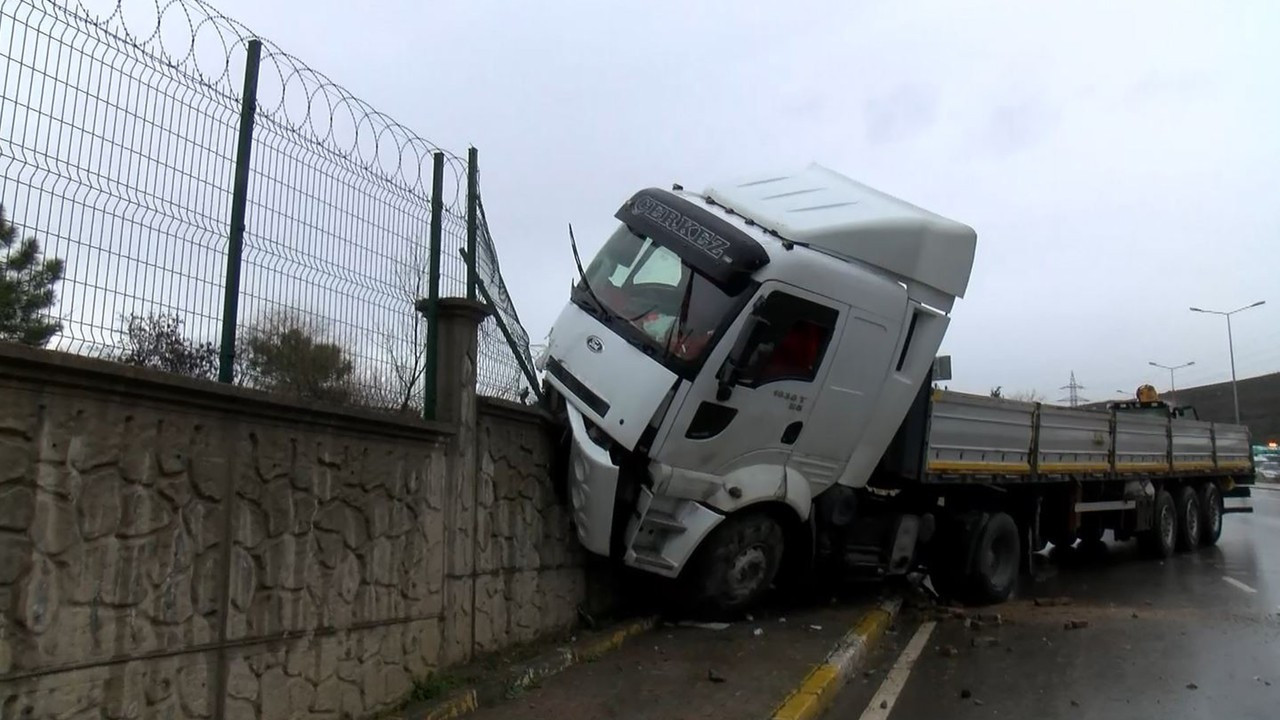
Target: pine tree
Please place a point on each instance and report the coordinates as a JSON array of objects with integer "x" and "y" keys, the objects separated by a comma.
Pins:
[{"x": 26, "y": 288}]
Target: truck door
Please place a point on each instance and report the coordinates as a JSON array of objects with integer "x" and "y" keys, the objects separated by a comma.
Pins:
[{"x": 778, "y": 358}]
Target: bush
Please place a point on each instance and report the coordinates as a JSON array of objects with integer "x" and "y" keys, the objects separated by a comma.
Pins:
[
  {"x": 156, "y": 341},
  {"x": 285, "y": 353}
]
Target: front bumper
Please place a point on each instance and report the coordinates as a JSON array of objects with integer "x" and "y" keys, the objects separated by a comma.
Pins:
[{"x": 593, "y": 486}]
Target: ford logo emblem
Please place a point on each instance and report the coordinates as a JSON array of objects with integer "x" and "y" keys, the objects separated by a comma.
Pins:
[{"x": 594, "y": 344}]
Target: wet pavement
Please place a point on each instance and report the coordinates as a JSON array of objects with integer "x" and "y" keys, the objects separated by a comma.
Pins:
[
  {"x": 1195, "y": 636},
  {"x": 678, "y": 672}
]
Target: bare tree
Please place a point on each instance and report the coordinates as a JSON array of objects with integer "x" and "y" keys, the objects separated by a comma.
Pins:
[{"x": 405, "y": 343}]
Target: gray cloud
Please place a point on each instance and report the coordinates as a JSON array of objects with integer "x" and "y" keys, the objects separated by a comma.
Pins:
[{"x": 1119, "y": 161}]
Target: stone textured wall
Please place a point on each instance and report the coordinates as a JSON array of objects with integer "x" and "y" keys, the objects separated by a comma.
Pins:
[{"x": 176, "y": 549}]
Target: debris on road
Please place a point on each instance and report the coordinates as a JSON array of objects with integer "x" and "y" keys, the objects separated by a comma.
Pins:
[
  {"x": 986, "y": 641},
  {"x": 1135, "y": 615},
  {"x": 1075, "y": 625},
  {"x": 1075, "y": 704},
  {"x": 976, "y": 701},
  {"x": 992, "y": 618},
  {"x": 965, "y": 694},
  {"x": 1052, "y": 601},
  {"x": 815, "y": 627},
  {"x": 714, "y": 676},
  {"x": 884, "y": 704},
  {"x": 1192, "y": 686},
  {"x": 948, "y": 651},
  {"x": 758, "y": 632},
  {"x": 973, "y": 624}
]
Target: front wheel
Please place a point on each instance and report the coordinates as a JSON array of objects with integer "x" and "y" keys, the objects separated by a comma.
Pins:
[
  {"x": 1210, "y": 513},
  {"x": 736, "y": 563}
]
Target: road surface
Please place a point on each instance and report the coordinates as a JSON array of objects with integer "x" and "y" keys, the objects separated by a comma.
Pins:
[{"x": 1196, "y": 636}]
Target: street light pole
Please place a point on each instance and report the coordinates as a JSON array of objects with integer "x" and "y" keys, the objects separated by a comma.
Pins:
[
  {"x": 1171, "y": 368},
  {"x": 1231, "y": 348}
]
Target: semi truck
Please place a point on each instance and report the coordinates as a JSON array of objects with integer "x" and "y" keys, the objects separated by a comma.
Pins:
[{"x": 748, "y": 381}]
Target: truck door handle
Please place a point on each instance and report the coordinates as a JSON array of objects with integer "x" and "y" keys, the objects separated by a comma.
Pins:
[{"x": 792, "y": 432}]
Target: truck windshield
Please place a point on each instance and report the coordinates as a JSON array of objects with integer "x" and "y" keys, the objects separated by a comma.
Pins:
[{"x": 654, "y": 299}]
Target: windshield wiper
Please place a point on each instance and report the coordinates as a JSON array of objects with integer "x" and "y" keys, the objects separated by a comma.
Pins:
[
  {"x": 582, "y": 275},
  {"x": 678, "y": 325}
]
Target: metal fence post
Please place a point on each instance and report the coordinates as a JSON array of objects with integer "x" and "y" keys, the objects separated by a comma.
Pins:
[
  {"x": 431, "y": 370},
  {"x": 473, "y": 219},
  {"x": 239, "y": 198}
]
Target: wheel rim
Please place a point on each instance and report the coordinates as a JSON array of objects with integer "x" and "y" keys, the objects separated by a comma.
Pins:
[
  {"x": 1193, "y": 522},
  {"x": 1168, "y": 525},
  {"x": 747, "y": 571},
  {"x": 999, "y": 560}
]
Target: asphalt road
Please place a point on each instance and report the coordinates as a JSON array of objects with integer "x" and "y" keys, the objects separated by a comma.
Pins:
[{"x": 1196, "y": 636}]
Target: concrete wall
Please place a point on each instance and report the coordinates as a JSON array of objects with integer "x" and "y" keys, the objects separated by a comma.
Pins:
[
  {"x": 172, "y": 548},
  {"x": 1259, "y": 404}
]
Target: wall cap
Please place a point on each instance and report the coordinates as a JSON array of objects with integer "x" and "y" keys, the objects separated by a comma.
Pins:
[{"x": 37, "y": 366}]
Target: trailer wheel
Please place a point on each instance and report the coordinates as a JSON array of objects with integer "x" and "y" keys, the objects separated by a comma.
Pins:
[
  {"x": 996, "y": 559},
  {"x": 737, "y": 563},
  {"x": 1188, "y": 506},
  {"x": 1210, "y": 513},
  {"x": 1159, "y": 540}
]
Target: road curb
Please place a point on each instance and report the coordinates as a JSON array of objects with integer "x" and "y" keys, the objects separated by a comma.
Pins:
[
  {"x": 521, "y": 677},
  {"x": 820, "y": 686}
]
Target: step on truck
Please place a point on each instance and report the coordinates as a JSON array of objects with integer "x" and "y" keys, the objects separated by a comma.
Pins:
[{"x": 747, "y": 381}]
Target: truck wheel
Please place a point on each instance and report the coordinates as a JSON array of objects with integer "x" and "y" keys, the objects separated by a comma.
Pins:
[
  {"x": 1188, "y": 506},
  {"x": 1159, "y": 540},
  {"x": 737, "y": 563},
  {"x": 1210, "y": 513},
  {"x": 995, "y": 562}
]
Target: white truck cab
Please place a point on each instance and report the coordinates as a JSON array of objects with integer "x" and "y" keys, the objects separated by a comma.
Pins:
[{"x": 729, "y": 356}]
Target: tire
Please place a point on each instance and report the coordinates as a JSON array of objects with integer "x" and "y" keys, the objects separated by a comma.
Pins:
[
  {"x": 1210, "y": 513},
  {"x": 1188, "y": 505},
  {"x": 1159, "y": 540},
  {"x": 736, "y": 564},
  {"x": 996, "y": 559}
]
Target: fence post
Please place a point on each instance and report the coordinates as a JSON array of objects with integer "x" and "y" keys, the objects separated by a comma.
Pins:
[
  {"x": 473, "y": 218},
  {"x": 239, "y": 198},
  {"x": 432, "y": 369}
]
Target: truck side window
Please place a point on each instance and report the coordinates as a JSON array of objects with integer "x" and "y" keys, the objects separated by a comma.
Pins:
[{"x": 792, "y": 341}]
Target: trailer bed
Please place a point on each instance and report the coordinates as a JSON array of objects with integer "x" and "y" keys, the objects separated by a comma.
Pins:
[{"x": 974, "y": 438}]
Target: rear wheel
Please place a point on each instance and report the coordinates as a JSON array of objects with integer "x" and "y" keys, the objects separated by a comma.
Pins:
[
  {"x": 995, "y": 566},
  {"x": 737, "y": 563},
  {"x": 1159, "y": 540},
  {"x": 1188, "y": 507},
  {"x": 979, "y": 560},
  {"x": 1210, "y": 513}
]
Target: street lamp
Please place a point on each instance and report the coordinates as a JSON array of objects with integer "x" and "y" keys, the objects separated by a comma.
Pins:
[
  {"x": 1171, "y": 368},
  {"x": 1231, "y": 348}
]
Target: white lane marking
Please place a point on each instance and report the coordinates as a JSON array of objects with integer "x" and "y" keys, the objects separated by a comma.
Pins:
[
  {"x": 882, "y": 703},
  {"x": 1238, "y": 584}
]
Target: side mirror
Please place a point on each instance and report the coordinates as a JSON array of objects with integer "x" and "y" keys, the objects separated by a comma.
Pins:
[{"x": 738, "y": 361}]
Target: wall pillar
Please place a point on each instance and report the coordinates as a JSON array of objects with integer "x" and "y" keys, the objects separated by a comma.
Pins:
[{"x": 459, "y": 321}]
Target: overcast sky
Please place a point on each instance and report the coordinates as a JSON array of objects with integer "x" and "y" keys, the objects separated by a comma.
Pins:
[{"x": 1118, "y": 163}]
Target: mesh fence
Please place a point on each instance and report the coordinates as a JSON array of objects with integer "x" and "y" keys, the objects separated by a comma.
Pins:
[{"x": 119, "y": 124}]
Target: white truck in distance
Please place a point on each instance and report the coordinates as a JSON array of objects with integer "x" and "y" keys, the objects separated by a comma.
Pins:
[{"x": 746, "y": 375}]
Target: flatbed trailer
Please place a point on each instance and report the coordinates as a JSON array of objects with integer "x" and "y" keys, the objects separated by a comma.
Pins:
[{"x": 1067, "y": 474}]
